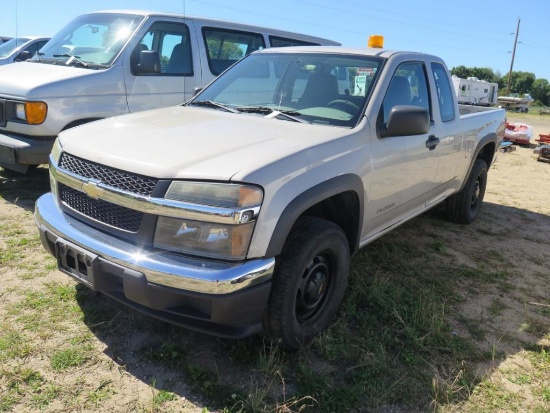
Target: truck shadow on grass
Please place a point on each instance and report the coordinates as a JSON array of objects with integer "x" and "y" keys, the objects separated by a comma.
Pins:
[{"x": 432, "y": 310}]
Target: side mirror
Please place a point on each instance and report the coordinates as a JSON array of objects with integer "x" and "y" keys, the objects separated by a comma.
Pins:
[
  {"x": 406, "y": 120},
  {"x": 149, "y": 63},
  {"x": 24, "y": 55},
  {"x": 197, "y": 90}
]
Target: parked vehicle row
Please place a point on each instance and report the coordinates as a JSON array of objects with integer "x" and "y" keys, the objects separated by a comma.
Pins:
[
  {"x": 110, "y": 63},
  {"x": 21, "y": 48}
]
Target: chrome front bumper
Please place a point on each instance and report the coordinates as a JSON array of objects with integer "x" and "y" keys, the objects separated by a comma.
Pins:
[{"x": 158, "y": 267}]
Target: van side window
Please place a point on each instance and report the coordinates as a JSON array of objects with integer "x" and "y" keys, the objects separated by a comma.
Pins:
[
  {"x": 444, "y": 92},
  {"x": 277, "y": 41},
  {"x": 171, "y": 41},
  {"x": 407, "y": 87},
  {"x": 224, "y": 47}
]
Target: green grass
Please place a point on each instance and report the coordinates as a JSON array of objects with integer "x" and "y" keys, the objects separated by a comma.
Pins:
[{"x": 71, "y": 357}]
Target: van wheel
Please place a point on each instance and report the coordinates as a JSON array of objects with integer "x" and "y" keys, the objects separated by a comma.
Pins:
[
  {"x": 309, "y": 283},
  {"x": 464, "y": 207}
]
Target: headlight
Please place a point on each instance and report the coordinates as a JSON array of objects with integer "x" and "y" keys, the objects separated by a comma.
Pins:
[
  {"x": 56, "y": 155},
  {"x": 203, "y": 238},
  {"x": 214, "y": 194},
  {"x": 34, "y": 113},
  {"x": 56, "y": 151},
  {"x": 210, "y": 239}
]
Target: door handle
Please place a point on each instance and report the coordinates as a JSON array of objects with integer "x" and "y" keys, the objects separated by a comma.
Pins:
[{"x": 432, "y": 142}]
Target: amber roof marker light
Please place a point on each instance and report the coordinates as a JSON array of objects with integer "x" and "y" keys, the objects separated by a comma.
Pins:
[{"x": 376, "y": 41}]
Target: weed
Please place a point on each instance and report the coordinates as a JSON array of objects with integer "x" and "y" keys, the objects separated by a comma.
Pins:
[
  {"x": 497, "y": 307},
  {"x": 45, "y": 396},
  {"x": 167, "y": 353},
  {"x": 12, "y": 343},
  {"x": 71, "y": 357}
]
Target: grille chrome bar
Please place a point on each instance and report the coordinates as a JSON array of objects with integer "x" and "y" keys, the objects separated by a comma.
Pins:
[
  {"x": 148, "y": 204},
  {"x": 115, "y": 178}
]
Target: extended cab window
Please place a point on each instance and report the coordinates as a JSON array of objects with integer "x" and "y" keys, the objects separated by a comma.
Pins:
[
  {"x": 224, "y": 47},
  {"x": 284, "y": 42},
  {"x": 444, "y": 92},
  {"x": 407, "y": 87},
  {"x": 171, "y": 41}
]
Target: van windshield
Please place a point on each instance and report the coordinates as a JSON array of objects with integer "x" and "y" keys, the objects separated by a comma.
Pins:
[
  {"x": 321, "y": 88},
  {"x": 91, "y": 40},
  {"x": 11, "y": 46}
]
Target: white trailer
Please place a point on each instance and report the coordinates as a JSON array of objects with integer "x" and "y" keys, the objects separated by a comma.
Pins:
[{"x": 472, "y": 91}]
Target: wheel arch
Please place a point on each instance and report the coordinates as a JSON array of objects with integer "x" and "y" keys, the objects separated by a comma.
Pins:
[
  {"x": 79, "y": 122},
  {"x": 486, "y": 150},
  {"x": 339, "y": 200}
]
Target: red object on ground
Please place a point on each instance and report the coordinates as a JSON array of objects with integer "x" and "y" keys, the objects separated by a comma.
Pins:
[{"x": 518, "y": 133}]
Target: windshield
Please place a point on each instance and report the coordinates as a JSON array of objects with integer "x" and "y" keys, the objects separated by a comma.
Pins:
[
  {"x": 91, "y": 40},
  {"x": 6, "y": 49},
  {"x": 322, "y": 88}
]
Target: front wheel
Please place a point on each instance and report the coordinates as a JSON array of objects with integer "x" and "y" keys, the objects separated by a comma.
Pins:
[
  {"x": 464, "y": 207},
  {"x": 309, "y": 283}
]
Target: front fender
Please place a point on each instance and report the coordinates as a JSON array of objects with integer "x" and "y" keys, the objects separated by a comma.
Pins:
[{"x": 312, "y": 197}]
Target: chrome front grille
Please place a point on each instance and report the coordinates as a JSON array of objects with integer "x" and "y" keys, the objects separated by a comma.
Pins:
[
  {"x": 97, "y": 209},
  {"x": 111, "y": 214},
  {"x": 115, "y": 178}
]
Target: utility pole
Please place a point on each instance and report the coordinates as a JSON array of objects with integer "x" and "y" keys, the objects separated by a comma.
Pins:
[{"x": 512, "y": 63}]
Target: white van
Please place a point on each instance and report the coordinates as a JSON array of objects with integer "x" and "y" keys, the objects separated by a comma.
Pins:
[{"x": 114, "y": 62}]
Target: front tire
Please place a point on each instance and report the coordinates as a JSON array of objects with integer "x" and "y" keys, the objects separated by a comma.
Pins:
[
  {"x": 464, "y": 207},
  {"x": 309, "y": 283}
]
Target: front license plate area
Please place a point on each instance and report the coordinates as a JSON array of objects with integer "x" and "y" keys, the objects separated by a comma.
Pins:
[{"x": 76, "y": 262}]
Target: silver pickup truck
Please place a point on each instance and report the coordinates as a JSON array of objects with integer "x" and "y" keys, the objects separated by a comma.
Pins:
[{"x": 239, "y": 211}]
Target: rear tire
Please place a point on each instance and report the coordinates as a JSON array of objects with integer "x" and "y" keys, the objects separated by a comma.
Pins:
[
  {"x": 309, "y": 283},
  {"x": 464, "y": 207}
]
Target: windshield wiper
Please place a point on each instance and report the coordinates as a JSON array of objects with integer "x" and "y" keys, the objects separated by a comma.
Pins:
[
  {"x": 72, "y": 59},
  {"x": 273, "y": 113},
  {"x": 288, "y": 114},
  {"x": 211, "y": 104}
]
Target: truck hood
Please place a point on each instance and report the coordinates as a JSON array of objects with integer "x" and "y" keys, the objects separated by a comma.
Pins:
[
  {"x": 28, "y": 80},
  {"x": 192, "y": 143}
]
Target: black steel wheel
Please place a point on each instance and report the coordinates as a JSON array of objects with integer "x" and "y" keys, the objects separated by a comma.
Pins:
[
  {"x": 464, "y": 207},
  {"x": 309, "y": 283}
]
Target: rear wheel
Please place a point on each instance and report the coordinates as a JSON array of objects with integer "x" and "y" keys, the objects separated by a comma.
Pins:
[
  {"x": 464, "y": 207},
  {"x": 309, "y": 283}
]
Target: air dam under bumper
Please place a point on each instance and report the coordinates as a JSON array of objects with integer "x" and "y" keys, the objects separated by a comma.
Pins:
[{"x": 223, "y": 299}]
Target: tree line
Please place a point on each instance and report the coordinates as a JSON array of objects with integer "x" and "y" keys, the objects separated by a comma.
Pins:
[{"x": 520, "y": 82}]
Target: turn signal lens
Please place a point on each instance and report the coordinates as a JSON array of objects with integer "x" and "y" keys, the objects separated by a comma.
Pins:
[{"x": 36, "y": 112}]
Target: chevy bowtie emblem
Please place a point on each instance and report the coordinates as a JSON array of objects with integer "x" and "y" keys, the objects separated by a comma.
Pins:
[{"x": 92, "y": 190}]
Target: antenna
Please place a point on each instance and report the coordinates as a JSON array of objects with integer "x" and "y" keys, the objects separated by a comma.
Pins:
[{"x": 512, "y": 63}]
